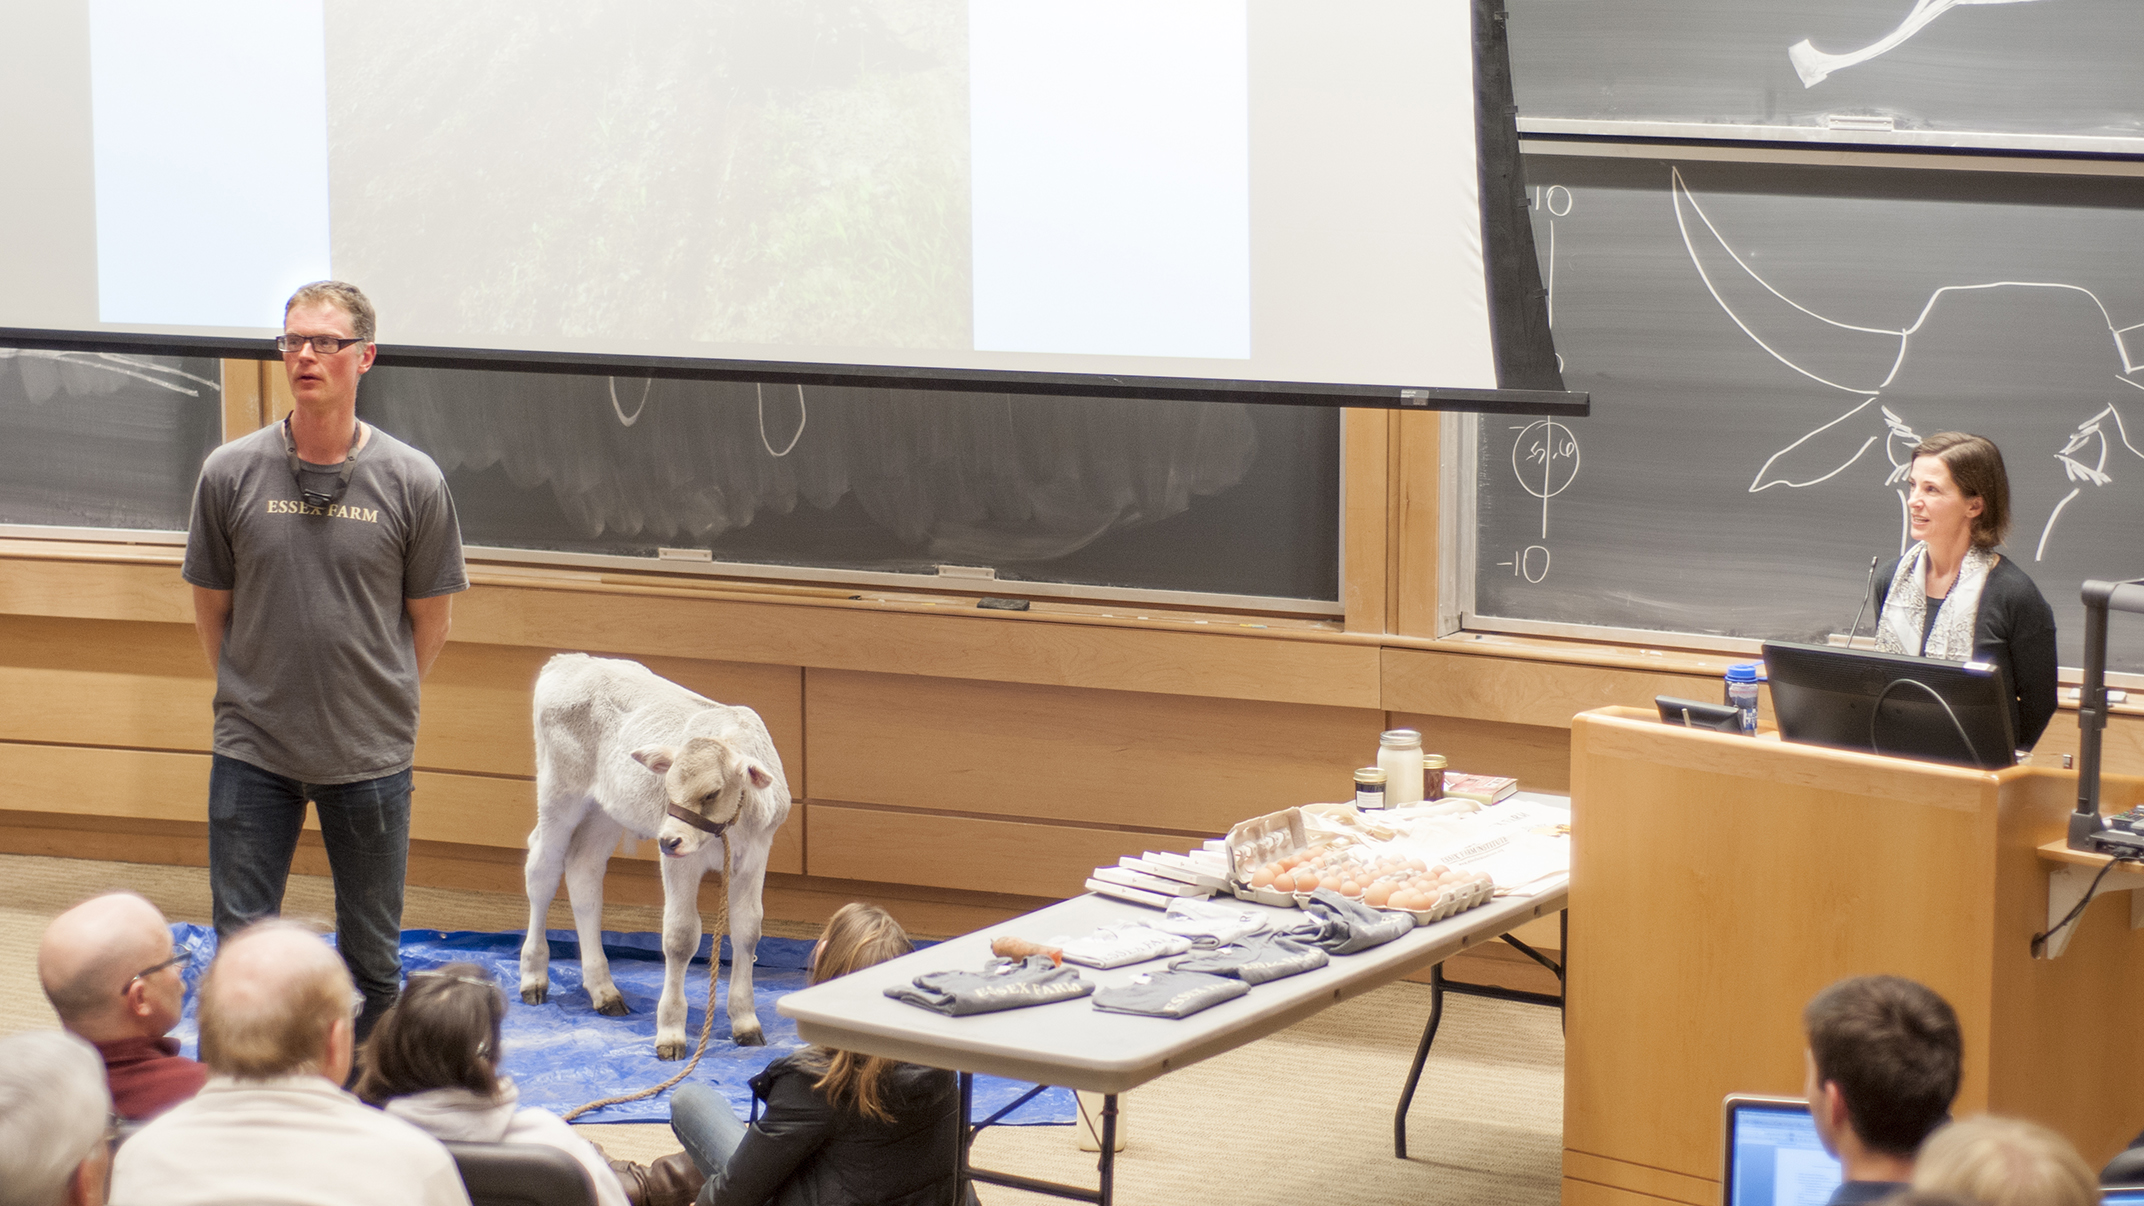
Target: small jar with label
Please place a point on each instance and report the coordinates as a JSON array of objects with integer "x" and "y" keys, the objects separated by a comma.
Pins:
[
  {"x": 1399, "y": 754},
  {"x": 1370, "y": 789},
  {"x": 1433, "y": 776}
]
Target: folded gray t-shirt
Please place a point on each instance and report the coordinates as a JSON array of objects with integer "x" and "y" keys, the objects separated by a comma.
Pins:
[
  {"x": 1169, "y": 994},
  {"x": 318, "y": 679},
  {"x": 1002, "y": 984},
  {"x": 1255, "y": 959},
  {"x": 1342, "y": 926}
]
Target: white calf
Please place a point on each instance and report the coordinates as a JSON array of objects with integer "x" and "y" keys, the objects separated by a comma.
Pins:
[{"x": 619, "y": 749}]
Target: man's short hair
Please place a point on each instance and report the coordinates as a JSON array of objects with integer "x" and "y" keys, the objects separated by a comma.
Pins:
[
  {"x": 1893, "y": 1048},
  {"x": 343, "y": 295},
  {"x": 255, "y": 1031},
  {"x": 54, "y": 1108},
  {"x": 2005, "y": 1162}
]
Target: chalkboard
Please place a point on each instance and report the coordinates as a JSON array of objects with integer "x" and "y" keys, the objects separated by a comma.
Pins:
[
  {"x": 2028, "y": 68},
  {"x": 1764, "y": 344},
  {"x": 104, "y": 440},
  {"x": 1199, "y": 497}
]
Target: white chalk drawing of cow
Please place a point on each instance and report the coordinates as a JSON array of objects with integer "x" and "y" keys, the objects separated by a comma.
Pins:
[
  {"x": 618, "y": 750},
  {"x": 1866, "y": 361},
  {"x": 1815, "y": 66}
]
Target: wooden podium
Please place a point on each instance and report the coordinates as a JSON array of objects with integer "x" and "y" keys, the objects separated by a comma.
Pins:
[{"x": 1718, "y": 882}]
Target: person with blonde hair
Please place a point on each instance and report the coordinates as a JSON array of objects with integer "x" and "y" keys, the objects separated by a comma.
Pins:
[
  {"x": 272, "y": 1125},
  {"x": 840, "y": 1128},
  {"x": 433, "y": 1061},
  {"x": 2005, "y": 1162}
]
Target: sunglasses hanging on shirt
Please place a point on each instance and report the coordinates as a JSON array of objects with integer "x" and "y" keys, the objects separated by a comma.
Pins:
[{"x": 314, "y": 498}]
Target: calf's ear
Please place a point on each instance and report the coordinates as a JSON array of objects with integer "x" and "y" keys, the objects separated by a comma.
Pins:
[
  {"x": 761, "y": 777},
  {"x": 656, "y": 758}
]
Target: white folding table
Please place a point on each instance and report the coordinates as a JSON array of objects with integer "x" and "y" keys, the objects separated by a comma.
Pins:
[{"x": 1070, "y": 1043}]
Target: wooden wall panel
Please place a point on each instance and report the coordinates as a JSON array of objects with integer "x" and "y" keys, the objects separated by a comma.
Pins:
[
  {"x": 88, "y": 781},
  {"x": 970, "y": 853},
  {"x": 1513, "y": 691},
  {"x": 1097, "y": 757},
  {"x": 1538, "y": 756},
  {"x": 477, "y": 713},
  {"x": 243, "y": 398},
  {"x": 1366, "y": 519},
  {"x": 81, "y": 581},
  {"x": 103, "y": 682},
  {"x": 952, "y": 642},
  {"x": 1415, "y": 542}
]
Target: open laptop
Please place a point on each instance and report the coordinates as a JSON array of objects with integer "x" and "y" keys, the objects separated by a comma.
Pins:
[
  {"x": 1773, "y": 1156},
  {"x": 2121, "y": 1195}
]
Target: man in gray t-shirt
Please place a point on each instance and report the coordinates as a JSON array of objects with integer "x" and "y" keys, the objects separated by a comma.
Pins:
[{"x": 323, "y": 554}]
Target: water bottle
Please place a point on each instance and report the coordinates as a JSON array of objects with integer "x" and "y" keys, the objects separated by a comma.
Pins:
[{"x": 1742, "y": 694}]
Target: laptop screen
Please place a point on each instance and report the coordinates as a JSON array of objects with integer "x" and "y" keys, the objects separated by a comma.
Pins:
[
  {"x": 2122, "y": 1195},
  {"x": 1774, "y": 1157}
]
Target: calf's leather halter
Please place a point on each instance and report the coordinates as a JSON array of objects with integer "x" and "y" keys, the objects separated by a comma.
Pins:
[{"x": 697, "y": 821}]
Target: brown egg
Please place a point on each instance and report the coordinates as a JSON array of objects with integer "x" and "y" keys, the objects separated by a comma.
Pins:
[
  {"x": 1415, "y": 864},
  {"x": 1262, "y": 878},
  {"x": 1330, "y": 881},
  {"x": 1377, "y": 894},
  {"x": 1350, "y": 888},
  {"x": 1439, "y": 869}
]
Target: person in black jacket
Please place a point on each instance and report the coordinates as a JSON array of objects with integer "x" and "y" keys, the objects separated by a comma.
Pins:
[
  {"x": 840, "y": 1129},
  {"x": 1952, "y": 595}
]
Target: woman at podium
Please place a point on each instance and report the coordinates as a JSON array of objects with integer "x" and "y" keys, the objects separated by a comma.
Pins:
[{"x": 1952, "y": 596}]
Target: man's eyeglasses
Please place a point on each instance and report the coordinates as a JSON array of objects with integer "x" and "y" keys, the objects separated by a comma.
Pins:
[
  {"x": 179, "y": 958},
  {"x": 324, "y": 345}
]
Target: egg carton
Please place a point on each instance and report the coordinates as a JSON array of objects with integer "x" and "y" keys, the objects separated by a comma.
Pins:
[
  {"x": 1453, "y": 900},
  {"x": 1254, "y": 843}
]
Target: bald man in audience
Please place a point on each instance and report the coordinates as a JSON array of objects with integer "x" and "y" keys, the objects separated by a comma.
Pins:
[
  {"x": 272, "y": 1125},
  {"x": 54, "y": 1141},
  {"x": 113, "y": 977}
]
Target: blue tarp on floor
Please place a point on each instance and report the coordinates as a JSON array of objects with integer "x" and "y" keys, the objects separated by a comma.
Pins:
[{"x": 563, "y": 1052}]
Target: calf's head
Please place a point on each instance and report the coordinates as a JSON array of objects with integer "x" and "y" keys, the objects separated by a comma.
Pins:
[{"x": 704, "y": 782}]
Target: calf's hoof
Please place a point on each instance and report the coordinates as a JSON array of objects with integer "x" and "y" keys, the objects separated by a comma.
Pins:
[
  {"x": 748, "y": 1036},
  {"x": 670, "y": 1048},
  {"x": 611, "y": 1005},
  {"x": 535, "y": 994}
]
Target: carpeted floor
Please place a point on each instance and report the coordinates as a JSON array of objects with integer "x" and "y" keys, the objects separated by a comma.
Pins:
[{"x": 1305, "y": 1115}]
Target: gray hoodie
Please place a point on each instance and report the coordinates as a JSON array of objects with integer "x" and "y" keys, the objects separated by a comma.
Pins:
[{"x": 460, "y": 1116}]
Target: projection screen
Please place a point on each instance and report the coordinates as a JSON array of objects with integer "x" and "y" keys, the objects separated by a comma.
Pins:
[{"x": 1246, "y": 191}]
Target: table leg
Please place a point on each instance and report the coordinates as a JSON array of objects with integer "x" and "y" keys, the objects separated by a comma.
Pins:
[
  {"x": 1438, "y": 985},
  {"x": 967, "y": 1173},
  {"x": 1421, "y": 1057}
]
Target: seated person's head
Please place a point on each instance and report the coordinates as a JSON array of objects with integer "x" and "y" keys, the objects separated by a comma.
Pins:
[
  {"x": 857, "y": 936},
  {"x": 54, "y": 1111},
  {"x": 442, "y": 1034},
  {"x": 277, "y": 1002},
  {"x": 2005, "y": 1162},
  {"x": 1884, "y": 1059},
  {"x": 94, "y": 964}
]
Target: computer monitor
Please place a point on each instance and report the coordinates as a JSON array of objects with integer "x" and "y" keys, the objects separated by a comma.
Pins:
[
  {"x": 1697, "y": 714},
  {"x": 1889, "y": 703},
  {"x": 2121, "y": 1195},
  {"x": 1774, "y": 1157}
]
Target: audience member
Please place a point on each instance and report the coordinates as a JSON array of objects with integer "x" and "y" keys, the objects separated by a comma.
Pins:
[
  {"x": 272, "y": 1125},
  {"x": 2005, "y": 1162},
  {"x": 433, "y": 1062},
  {"x": 1884, "y": 1056},
  {"x": 113, "y": 977},
  {"x": 839, "y": 1127},
  {"x": 54, "y": 1121}
]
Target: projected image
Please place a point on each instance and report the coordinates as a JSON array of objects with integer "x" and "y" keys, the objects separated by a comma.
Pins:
[{"x": 748, "y": 172}]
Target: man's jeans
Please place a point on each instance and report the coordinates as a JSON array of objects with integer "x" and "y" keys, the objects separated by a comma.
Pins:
[{"x": 253, "y": 822}]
